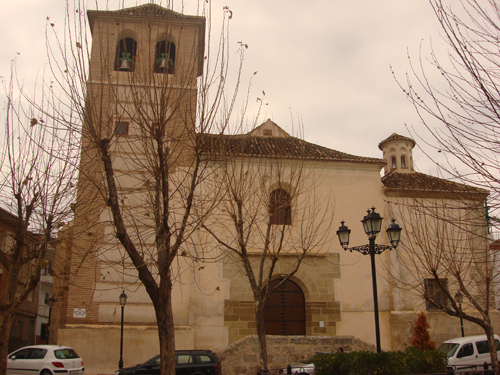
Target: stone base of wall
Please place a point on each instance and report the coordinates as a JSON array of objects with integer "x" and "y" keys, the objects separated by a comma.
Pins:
[{"x": 242, "y": 358}]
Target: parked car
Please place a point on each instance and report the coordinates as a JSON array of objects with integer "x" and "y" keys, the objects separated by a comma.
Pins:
[
  {"x": 44, "y": 360},
  {"x": 299, "y": 368},
  {"x": 187, "y": 362},
  {"x": 468, "y": 353}
]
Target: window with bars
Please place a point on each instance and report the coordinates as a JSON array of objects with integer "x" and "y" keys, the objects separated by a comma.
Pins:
[
  {"x": 280, "y": 207},
  {"x": 434, "y": 294}
]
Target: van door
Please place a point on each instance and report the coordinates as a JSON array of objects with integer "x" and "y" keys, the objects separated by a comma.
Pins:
[
  {"x": 466, "y": 358},
  {"x": 483, "y": 351}
]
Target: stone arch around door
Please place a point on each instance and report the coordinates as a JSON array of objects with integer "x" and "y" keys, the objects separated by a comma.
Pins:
[
  {"x": 316, "y": 278},
  {"x": 285, "y": 312}
]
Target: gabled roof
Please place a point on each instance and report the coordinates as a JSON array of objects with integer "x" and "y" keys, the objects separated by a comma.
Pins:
[
  {"x": 416, "y": 182},
  {"x": 396, "y": 137},
  {"x": 275, "y": 147},
  {"x": 269, "y": 128}
]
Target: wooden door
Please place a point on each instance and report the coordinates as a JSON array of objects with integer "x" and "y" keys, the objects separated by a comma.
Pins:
[{"x": 285, "y": 312}]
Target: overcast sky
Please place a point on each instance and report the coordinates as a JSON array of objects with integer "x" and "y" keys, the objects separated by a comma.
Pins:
[{"x": 326, "y": 61}]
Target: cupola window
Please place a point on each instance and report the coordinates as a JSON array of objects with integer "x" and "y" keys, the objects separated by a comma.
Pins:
[
  {"x": 164, "y": 57},
  {"x": 393, "y": 163},
  {"x": 126, "y": 51},
  {"x": 403, "y": 162}
]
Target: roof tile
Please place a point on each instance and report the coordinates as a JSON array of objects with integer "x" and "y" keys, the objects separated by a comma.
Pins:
[
  {"x": 272, "y": 147},
  {"x": 421, "y": 183}
]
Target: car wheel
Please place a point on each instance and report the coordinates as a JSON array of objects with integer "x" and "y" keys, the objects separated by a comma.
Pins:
[{"x": 45, "y": 372}]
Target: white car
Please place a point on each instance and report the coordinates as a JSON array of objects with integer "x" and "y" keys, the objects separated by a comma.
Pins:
[
  {"x": 299, "y": 368},
  {"x": 44, "y": 360}
]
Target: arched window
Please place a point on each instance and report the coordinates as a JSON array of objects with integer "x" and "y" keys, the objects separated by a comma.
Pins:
[
  {"x": 393, "y": 163},
  {"x": 164, "y": 57},
  {"x": 126, "y": 50},
  {"x": 403, "y": 162},
  {"x": 280, "y": 207}
]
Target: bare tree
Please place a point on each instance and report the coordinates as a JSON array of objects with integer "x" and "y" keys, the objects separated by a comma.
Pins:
[
  {"x": 271, "y": 216},
  {"x": 37, "y": 172},
  {"x": 445, "y": 258},
  {"x": 143, "y": 112},
  {"x": 457, "y": 100}
]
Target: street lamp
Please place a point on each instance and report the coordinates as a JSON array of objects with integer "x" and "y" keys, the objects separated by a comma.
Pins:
[
  {"x": 460, "y": 298},
  {"x": 372, "y": 224},
  {"x": 123, "y": 301},
  {"x": 49, "y": 302}
]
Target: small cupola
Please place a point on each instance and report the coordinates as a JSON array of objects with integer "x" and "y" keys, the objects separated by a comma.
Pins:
[{"x": 397, "y": 153}]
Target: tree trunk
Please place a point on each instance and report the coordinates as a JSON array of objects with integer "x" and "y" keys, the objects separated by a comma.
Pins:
[
  {"x": 261, "y": 334},
  {"x": 6, "y": 318},
  {"x": 166, "y": 330},
  {"x": 491, "y": 343}
]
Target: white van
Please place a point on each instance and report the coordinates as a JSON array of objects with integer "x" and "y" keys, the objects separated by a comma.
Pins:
[{"x": 469, "y": 353}]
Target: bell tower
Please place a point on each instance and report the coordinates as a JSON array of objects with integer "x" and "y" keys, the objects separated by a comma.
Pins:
[
  {"x": 141, "y": 93},
  {"x": 144, "y": 66}
]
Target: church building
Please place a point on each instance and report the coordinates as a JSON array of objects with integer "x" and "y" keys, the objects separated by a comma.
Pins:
[{"x": 145, "y": 65}]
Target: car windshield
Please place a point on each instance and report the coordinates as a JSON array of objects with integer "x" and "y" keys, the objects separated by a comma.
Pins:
[
  {"x": 155, "y": 361},
  {"x": 66, "y": 353},
  {"x": 449, "y": 348}
]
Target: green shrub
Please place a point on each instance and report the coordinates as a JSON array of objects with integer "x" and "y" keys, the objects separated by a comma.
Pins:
[{"x": 411, "y": 361}]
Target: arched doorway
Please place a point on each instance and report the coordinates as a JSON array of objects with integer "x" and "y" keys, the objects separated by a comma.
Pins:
[{"x": 285, "y": 312}]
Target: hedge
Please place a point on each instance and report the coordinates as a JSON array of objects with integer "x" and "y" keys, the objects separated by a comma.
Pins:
[{"x": 411, "y": 361}]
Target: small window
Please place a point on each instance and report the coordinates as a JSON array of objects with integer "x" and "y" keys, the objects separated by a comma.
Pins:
[
  {"x": 37, "y": 353},
  {"x": 465, "y": 351},
  {"x": 482, "y": 347},
  {"x": 21, "y": 354},
  {"x": 403, "y": 162},
  {"x": 121, "y": 128},
  {"x": 393, "y": 163},
  {"x": 125, "y": 55},
  {"x": 434, "y": 295},
  {"x": 203, "y": 359},
  {"x": 183, "y": 359},
  {"x": 164, "y": 57},
  {"x": 280, "y": 208},
  {"x": 268, "y": 132},
  {"x": 65, "y": 353}
]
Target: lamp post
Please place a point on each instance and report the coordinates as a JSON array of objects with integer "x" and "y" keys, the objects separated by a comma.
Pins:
[
  {"x": 460, "y": 298},
  {"x": 49, "y": 302},
  {"x": 123, "y": 301},
  {"x": 372, "y": 223}
]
